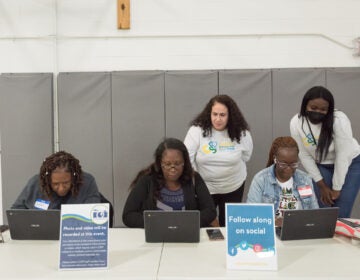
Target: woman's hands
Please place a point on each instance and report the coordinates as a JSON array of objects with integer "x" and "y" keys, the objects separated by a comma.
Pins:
[
  {"x": 279, "y": 221},
  {"x": 215, "y": 223},
  {"x": 327, "y": 195}
]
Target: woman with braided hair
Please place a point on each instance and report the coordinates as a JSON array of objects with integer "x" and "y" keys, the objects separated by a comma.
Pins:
[
  {"x": 61, "y": 181},
  {"x": 281, "y": 183}
]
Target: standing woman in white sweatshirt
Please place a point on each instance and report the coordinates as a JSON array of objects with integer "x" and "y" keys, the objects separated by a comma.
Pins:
[
  {"x": 328, "y": 151},
  {"x": 219, "y": 145}
]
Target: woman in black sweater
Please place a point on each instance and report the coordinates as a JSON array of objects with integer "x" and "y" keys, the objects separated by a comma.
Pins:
[{"x": 169, "y": 183}]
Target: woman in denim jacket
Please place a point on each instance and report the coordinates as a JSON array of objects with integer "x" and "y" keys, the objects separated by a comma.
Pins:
[{"x": 281, "y": 183}]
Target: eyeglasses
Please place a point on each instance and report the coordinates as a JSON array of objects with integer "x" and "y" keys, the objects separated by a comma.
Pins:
[
  {"x": 283, "y": 165},
  {"x": 169, "y": 165}
]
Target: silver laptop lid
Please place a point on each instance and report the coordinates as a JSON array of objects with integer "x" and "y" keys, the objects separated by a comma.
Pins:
[
  {"x": 172, "y": 226},
  {"x": 31, "y": 224}
]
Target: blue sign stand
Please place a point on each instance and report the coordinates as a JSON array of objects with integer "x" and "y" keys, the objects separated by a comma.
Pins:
[
  {"x": 250, "y": 237},
  {"x": 84, "y": 236}
]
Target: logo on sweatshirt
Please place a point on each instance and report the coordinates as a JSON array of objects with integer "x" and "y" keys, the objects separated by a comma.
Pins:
[
  {"x": 226, "y": 145},
  {"x": 309, "y": 140},
  {"x": 209, "y": 148}
]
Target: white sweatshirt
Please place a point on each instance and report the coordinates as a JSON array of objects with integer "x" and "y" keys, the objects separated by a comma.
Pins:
[
  {"x": 342, "y": 150},
  {"x": 219, "y": 161}
]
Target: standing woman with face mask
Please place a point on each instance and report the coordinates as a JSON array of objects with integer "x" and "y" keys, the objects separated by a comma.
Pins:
[{"x": 328, "y": 151}]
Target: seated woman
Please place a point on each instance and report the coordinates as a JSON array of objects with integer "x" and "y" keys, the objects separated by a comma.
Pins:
[
  {"x": 169, "y": 183},
  {"x": 281, "y": 183},
  {"x": 61, "y": 181}
]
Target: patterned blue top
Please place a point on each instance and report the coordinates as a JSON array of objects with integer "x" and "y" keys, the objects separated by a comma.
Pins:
[{"x": 171, "y": 200}]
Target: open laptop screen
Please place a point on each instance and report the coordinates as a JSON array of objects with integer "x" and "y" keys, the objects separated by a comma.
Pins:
[
  {"x": 31, "y": 224},
  {"x": 172, "y": 226}
]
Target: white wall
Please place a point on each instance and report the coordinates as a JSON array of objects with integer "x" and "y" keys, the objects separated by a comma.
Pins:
[{"x": 81, "y": 35}]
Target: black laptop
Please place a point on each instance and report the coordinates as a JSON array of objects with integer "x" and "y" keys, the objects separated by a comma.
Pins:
[
  {"x": 308, "y": 224},
  {"x": 172, "y": 226},
  {"x": 31, "y": 224}
]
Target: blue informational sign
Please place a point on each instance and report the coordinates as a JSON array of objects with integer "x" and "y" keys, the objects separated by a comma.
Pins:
[
  {"x": 84, "y": 236},
  {"x": 250, "y": 237}
]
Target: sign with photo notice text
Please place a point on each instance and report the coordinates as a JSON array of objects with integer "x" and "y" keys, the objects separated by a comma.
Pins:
[
  {"x": 84, "y": 236},
  {"x": 250, "y": 237}
]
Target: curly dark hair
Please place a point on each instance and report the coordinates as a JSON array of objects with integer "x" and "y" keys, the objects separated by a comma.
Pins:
[
  {"x": 236, "y": 125},
  {"x": 278, "y": 143},
  {"x": 327, "y": 128},
  {"x": 61, "y": 160},
  {"x": 155, "y": 169}
]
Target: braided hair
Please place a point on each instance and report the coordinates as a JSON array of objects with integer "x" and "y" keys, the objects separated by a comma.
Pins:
[
  {"x": 278, "y": 143},
  {"x": 65, "y": 161}
]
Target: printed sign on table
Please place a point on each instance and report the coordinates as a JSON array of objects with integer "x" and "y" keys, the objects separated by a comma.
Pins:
[
  {"x": 250, "y": 237},
  {"x": 84, "y": 236}
]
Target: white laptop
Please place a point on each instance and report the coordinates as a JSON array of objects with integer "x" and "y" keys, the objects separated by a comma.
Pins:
[
  {"x": 172, "y": 226},
  {"x": 32, "y": 224},
  {"x": 308, "y": 224}
]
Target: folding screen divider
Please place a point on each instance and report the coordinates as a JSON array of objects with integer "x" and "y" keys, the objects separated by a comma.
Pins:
[
  {"x": 26, "y": 129},
  {"x": 113, "y": 121}
]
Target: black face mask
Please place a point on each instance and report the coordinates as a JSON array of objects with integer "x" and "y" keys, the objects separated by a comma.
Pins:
[{"x": 315, "y": 117}]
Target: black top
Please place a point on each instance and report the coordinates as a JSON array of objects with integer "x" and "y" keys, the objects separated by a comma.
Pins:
[{"x": 141, "y": 198}]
